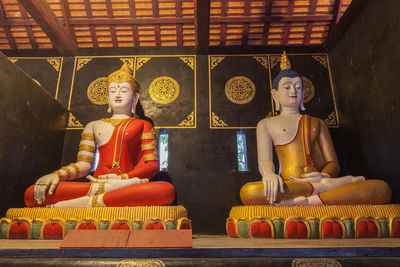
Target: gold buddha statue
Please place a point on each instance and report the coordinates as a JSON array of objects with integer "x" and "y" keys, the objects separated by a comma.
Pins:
[{"x": 309, "y": 168}]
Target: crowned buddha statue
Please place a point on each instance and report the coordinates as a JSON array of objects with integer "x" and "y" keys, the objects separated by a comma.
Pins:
[
  {"x": 309, "y": 168},
  {"x": 128, "y": 159}
]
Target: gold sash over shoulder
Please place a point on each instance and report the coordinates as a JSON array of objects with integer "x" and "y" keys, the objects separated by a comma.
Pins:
[{"x": 141, "y": 213}]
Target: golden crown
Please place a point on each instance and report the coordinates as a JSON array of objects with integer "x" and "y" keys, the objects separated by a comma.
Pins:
[
  {"x": 285, "y": 63},
  {"x": 124, "y": 74}
]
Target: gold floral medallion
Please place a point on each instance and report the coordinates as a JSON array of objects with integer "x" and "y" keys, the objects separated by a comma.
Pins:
[
  {"x": 164, "y": 90},
  {"x": 308, "y": 88},
  {"x": 240, "y": 90},
  {"x": 97, "y": 91}
]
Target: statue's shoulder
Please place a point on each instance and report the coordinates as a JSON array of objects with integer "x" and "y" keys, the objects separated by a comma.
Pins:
[{"x": 267, "y": 121}]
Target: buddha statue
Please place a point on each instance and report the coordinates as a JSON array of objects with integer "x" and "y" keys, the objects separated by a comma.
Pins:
[
  {"x": 127, "y": 159},
  {"x": 309, "y": 168}
]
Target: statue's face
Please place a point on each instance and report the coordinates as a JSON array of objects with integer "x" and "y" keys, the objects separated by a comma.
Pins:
[
  {"x": 120, "y": 95},
  {"x": 290, "y": 92}
]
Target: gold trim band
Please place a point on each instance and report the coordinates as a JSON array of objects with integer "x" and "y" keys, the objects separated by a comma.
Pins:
[
  {"x": 151, "y": 156},
  {"x": 149, "y": 135},
  {"x": 87, "y": 136},
  {"x": 58, "y": 173},
  {"x": 86, "y": 147},
  {"x": 148, "y": 146},
  {"x": 67, "y": 170},
  {"x": 86, "y": 158},
  {"x": 77, "y": 170}
]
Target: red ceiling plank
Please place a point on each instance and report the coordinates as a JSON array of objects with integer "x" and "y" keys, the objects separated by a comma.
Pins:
[
  {"x": 112, "y": 27},
  {"x": 29, "y": 31},
  {"x": 47, "y": 20},
  {"x": 310, "y": 25},
  {"x": 267, "y": 24},
  {"x": 179, "y": 30},
  {"x": 88, "y": 9},
  {"x": 202, "y": 25},
  {"x": 7, "y": 30}
]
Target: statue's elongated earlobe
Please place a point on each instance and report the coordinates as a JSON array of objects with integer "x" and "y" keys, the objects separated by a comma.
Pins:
[
  {"x": 302, "y": 108},
  {"x": 109, "y": 109}
]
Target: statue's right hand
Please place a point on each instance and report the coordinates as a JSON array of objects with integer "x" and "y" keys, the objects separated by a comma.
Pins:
[
  {"x": 272, "y": 183},
  {"x": 42, "y": 184}
]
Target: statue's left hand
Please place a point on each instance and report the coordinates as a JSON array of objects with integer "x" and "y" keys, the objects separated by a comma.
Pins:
[{"x": 48, "y": 181}]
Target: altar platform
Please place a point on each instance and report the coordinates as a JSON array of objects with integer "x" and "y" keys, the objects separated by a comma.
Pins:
[{"x": 213, "y": 251}]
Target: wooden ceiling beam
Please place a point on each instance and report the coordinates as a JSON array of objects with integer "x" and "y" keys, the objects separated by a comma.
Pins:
[
  {"x": 202, "y": 25},
  {"x": 47, "y": 20},
  {"x": 310, "y": 25},
  {"x": 92, "y": 29},
  {"x": 113, "y": 31},
  {"x": 67, "y": 16},
  {"x": 6, "y": 28},
  {"x": 336, "y": 11},
  {"x": 135, "y": 33},
  {"x": 267, "y": 24},
  {"x": 179, "y": 28},
  {"x": 29, "y": 31},
  {"x": 157, "y": 34},
  {"x": 286, "y": 32}
]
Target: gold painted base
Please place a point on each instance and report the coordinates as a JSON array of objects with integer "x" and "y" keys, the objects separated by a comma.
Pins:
[{"x": 336, "y": 221}]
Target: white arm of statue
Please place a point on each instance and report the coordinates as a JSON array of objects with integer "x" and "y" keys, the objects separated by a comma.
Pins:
[
  {"x": 271, "y": 181},
  {"x": 82, "y": 168}
]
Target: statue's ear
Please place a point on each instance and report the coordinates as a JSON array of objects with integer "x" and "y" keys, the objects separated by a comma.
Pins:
[
  {"x": 277, "y": 104},
  {"x": 302, "y": 108},
  {"x": 135, "y": 101}
]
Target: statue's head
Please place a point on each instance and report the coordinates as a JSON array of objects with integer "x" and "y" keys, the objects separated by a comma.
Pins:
[
  {"x": 123, "y": 90},
  {"x": 287, "y": 87}
]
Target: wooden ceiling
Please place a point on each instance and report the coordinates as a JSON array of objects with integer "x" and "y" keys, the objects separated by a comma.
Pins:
[{"x": 68, "y": 24}]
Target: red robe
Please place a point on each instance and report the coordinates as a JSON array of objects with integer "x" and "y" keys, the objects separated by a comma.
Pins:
[{"x": 130, "y": 150}]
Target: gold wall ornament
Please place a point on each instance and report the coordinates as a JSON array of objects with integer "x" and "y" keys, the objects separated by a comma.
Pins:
[
  {"x": 129, "y": 61},
  {"x": 55, "y": 63},
  {"x": 189, "y": 61},
  {"x": 322, "y": 60},
  {"x": 240, "y": 90},
  {"x": 188, "y": 122},
  {"x": 73, "y": 122},
  {"x": 82, "y": 62},
  {"x": 331, "y": 120},
  {"x": 140, "y": 61},
  {"x": 164, "y": 90},
  {"x": 215, "y": 61},
  {"x": 216, "y": 121},
  {"x": 308, "y": 88},
  {"x": 263, "y": 61},
  {"x": 13, "y": 60},
  {"x": 275, "y": 60},
  {"x": 37, "y": 82},
  {"x": 97, "y": 91},
  {"x": 141, "y": 263}
]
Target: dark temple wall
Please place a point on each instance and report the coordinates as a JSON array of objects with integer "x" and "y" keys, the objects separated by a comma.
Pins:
[
  {"x": 218, "y": 95},
  {"x": 31, "y": 135},
  {"x": 365, "y": 69}
]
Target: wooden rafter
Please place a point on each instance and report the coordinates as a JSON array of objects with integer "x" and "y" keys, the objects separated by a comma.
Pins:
[
  {"x": 310, "y": 25},
  {"x": 132, "y": 12},
  {"x": 246, "y": 26},
  {"x": 224, "y": 14},
  {"x": 67, "y": 16},
  {"x": 47, "y": 20},
  {"x": 112, "y": 27},
  {"x": 179, "y": 30},
  {"x": 202, "y": 25},
  {"x": 6, "y": 28},
  {"x": 267, "y": 24},
  {"x": 157, "y": 34},
  {"x": 29, "y": 31},
  {"x": 88, "y": 9},
  {"x": 336, "y": 11},
  {"x": 288, "y": 25}
]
